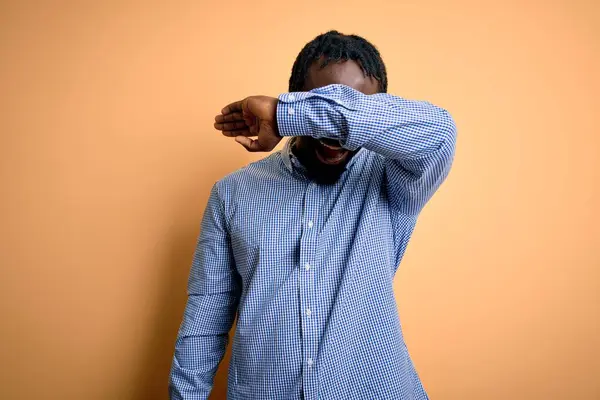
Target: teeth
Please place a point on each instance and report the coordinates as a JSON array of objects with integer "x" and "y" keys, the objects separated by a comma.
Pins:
[
  {"x": 330, "y": 146},
  {"x": 329, "y": 160}
]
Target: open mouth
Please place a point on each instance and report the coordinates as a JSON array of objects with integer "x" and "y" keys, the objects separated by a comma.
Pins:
[{"x": 330, "y": 151}]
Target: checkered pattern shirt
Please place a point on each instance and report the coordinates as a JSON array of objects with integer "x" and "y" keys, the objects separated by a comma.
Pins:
[{"x": 308, "y": 268}]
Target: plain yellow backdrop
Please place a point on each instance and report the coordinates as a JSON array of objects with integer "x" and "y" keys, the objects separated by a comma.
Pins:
[{"x": 107, "y": 155}]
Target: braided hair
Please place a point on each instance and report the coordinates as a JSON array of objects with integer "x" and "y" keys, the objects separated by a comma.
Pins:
[{"x": 334, "y": 46}]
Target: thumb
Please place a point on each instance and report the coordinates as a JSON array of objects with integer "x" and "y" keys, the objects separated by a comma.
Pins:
[{"x": 249, "y": 144}]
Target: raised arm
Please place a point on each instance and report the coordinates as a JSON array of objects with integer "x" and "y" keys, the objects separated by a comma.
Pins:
[{"x": 416, "y": 139}]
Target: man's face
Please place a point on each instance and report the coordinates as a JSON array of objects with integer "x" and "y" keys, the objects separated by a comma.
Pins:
[{"x": 325, "y": 160}]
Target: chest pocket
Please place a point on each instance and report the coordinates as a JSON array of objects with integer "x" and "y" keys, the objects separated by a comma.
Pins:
[
  {"x": 246, "y": 232},
  {"x": 266, "y": 239}
]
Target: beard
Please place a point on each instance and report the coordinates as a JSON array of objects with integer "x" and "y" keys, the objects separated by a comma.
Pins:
[{"x": 310, "y": 152}]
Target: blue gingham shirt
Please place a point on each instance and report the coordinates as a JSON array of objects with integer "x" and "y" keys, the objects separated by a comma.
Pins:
[{"x": 308, "y": 268}]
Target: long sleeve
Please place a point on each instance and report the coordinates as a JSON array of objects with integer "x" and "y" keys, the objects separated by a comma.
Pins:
[
  {"x": 213, "y": 296},
  {"x": 416, "y": 139}
]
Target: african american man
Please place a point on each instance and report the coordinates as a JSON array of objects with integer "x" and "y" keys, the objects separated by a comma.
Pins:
[{"x": 301, "y": 247}]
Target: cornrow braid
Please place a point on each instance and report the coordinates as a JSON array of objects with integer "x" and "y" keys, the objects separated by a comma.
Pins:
[{"x": 334, "y": 46}]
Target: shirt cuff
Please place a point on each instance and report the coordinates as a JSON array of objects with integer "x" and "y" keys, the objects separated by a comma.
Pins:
[{"x": 292, "y": 114}]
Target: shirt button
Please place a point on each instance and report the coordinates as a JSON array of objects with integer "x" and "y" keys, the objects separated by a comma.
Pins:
[
  {"x": 307, "y": 266},
  {"x": 291, "y": 111},
  {"x": 309, "y": 362},
  {"x": 291, "y": 97},
  {"x": 310, "y": 224},
  {"x": 308, "y": 312}
]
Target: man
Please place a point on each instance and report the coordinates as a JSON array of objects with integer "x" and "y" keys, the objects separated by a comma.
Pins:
[{"x": 304, "y": 244}]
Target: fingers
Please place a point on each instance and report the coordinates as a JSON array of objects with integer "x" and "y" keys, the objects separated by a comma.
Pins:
[
  {"x": 230, "y": 126},
  {"x": 235, "y": 116},
  {"x": 235, "y": 122},
  {"x": 250, "y": 144},
  {"x": 238, "y": 132},
  {"x": 232, "y": 108}
]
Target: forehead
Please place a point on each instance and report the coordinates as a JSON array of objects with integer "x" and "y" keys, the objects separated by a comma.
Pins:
[{"x": 347, "y": 73}]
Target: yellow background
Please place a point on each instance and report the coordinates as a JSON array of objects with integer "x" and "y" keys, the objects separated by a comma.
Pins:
[{"x": 107, "y": 155}]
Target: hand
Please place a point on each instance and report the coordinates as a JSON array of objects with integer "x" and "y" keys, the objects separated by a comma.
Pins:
[{"x": 253, "y": 116}]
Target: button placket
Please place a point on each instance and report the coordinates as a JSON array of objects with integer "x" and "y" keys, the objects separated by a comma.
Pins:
[{"x": 308, "y": 300}]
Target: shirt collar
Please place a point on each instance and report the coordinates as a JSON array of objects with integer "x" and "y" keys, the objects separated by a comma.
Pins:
[{"x": 287, "y": 155}]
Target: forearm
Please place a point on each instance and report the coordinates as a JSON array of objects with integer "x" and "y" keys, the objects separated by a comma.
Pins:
[
  {"x": 201, "y": 345},
  {"x": 416, "y": 139},
  {"x": 397, "y": 128}
]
